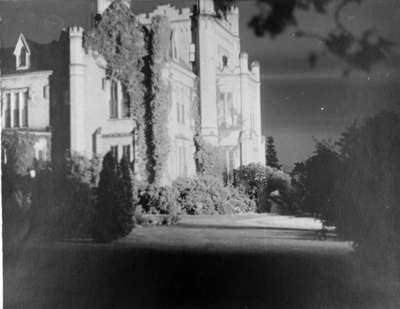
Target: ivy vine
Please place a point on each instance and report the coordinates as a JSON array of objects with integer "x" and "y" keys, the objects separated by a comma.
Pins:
[
  {"x": 160, "y": 34},
  {"x": 119, "y": 38},
  {"x": 136, "y": 56}
]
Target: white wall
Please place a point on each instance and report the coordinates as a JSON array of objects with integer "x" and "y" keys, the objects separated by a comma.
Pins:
[{"x": 38, "y": 105}]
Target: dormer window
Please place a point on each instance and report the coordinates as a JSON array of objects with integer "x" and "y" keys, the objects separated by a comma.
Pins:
[
  {"x": 22, "y": 54},
  {"x": 22, "y": 57}
]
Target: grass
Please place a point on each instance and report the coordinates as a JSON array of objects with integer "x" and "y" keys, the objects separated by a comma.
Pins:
[{"x": 194, "y": 266}]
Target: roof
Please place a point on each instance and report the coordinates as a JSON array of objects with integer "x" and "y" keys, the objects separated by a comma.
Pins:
[{"x": 41, "y": 56}]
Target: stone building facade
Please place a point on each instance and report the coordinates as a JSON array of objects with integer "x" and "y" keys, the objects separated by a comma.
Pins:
[
  {"x": 25, "y": 96},
  {"x": 87, "y": 112}
]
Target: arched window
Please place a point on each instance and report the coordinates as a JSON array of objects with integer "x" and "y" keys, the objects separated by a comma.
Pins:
[{"x": 174, "y": 50}]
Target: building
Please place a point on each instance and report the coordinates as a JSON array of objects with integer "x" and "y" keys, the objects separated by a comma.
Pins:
[
  {"x": 89, "y": 112},
  {"x": 25, "y": 96}
]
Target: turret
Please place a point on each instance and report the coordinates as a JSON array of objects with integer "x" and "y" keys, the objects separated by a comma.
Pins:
[
  {"x": 77, "y": 88},
  {"x": 233, "y": 18},
  {"x": 244, "y": 62},
  {"x": 255, "y": 69},
  {"x": 206, "y": 7},
  {"x": 76, "y": 51}
]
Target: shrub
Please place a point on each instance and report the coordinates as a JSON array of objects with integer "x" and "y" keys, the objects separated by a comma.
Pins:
[
  {"x": 16, "y": 202},
  {"x": 19, "y": 152},
  {"x": 77, "y": 191},
  {"x": 158, "y": 204},
  {"x": 63, "y": 200},
  {"x": 114, "y": 208},
  {"x": 46, "y": 213},
  {"x": 259, "y": 182},
  {"x": 208, "y": 195}
]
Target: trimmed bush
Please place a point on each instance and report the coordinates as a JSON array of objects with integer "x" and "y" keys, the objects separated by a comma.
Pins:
[
  {"x": 208, "y": 195},
  {"x": 113, "y": 215}
]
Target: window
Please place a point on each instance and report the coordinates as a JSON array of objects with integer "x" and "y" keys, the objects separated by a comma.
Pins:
[
  {"x": 46, "y": 92},
  {"x": 226, "y": 108},
  {"x": 126, "y": 103},
  {"x": 183, "y": 113},
  {"x": 229, "y": 107},
  {"x": 182, "y": 95},
  {"x": 252, "y": 121},
  {"x": 7, "y": 112},
  {"x": 174, "y": 50},
  {"x": 24, "y": 110},
  {"x": 22, "y": 57},
  {"x": 22, "y": 54},
  {"x": 126, "y": 152},
  {"x": 41, "y": 155},
  {"x": 16, "y": 110},
  {"x": 183, "y": 46},
  {"x": 114, "y": 151},
  {"x": 224, "y": 61},
  {"x": 182, "y": 161},
  {"x": 114, "y": 100},
  {"x": 41, "y": 149}
]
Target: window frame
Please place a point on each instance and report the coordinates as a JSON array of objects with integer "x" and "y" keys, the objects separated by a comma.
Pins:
[
  {"x": 16, "y": 110},
  {"x": 126, "y": 152},
  {"x": 7, "y": 110},
  {"x": 113, "y": 103},
  {"x": 114, "y": 151}
]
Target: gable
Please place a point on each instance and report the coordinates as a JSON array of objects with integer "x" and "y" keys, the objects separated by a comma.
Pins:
[{"x": 21, "y": 43}]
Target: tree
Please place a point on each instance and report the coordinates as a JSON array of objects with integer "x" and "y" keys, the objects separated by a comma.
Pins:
[
  {"x": 356, "y": 51},
  {"x": 315, "y": 180},
  {"x": 356, "y": 188},
  {"x": 271, "y": 157},
  {"x": 368, "y": 195},
  {"x": 114, "y": 209},
  {"x": 128, "y": 197}
]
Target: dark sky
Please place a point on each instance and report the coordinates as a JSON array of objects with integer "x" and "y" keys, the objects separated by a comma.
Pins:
[{"x": 298, "y": 103}]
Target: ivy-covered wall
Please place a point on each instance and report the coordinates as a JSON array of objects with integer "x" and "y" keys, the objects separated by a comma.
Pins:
[
  {"x": 136, "y": 55},
  {"x": 159, "y": 98}
]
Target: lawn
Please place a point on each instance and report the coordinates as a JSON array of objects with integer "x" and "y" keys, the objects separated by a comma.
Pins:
[{"x": 204, "y": 262}]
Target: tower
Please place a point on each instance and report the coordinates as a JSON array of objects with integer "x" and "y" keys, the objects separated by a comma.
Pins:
[
  {"x": 77, "y": 89},
  {"x": 207, "y": 63}
]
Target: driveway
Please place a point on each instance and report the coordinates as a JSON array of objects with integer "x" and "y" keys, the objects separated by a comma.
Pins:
[{"x": 255, "y": 220}]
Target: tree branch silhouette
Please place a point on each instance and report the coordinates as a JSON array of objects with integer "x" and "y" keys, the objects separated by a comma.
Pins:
[{"x": 356, "y": 51}]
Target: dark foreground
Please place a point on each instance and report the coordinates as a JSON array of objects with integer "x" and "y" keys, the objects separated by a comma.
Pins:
[{"x": 195, "y": 267}]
